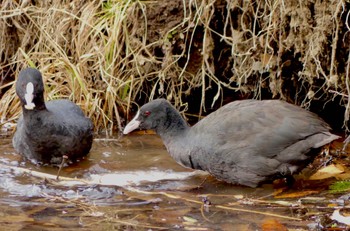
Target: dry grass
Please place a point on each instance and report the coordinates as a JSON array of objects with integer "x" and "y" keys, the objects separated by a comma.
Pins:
[{"x": 107, "y": 55}]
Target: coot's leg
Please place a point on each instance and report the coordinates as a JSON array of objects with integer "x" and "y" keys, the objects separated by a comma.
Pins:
[
  {"x": 64, "y": 158},
  {"x": 289, "y": 181}
]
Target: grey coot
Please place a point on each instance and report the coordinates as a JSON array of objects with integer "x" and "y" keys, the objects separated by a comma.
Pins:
[
  {"x": 48, "y": 131},
  {"x": 245, "y": 142}
]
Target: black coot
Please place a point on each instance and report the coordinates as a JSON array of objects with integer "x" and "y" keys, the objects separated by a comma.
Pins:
[
  {"x": 48, "y": 131},
  {"x": 245, "y": 142}
]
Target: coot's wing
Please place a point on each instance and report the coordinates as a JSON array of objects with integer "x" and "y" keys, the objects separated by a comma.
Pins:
[
  {"x": 70, "y": 124},
  {"x": 67, "y": 115},
  {"x": 265, "y": 127}
]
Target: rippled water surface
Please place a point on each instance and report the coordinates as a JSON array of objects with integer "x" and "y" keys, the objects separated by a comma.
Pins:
[{"x": 131, "y": 183}]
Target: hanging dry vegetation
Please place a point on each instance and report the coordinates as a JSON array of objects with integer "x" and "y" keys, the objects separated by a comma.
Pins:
[{"x": 106, "y": 55}]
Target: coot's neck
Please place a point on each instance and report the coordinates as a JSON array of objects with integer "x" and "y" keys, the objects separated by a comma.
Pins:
[
  {"x": 174, "y": 134},
  {"x": 173, "y": 125}
]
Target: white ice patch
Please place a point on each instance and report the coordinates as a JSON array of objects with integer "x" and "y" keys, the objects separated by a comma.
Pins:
[
  {"x": 29, "y": 96},
  {"x": 129, "y": 178}
]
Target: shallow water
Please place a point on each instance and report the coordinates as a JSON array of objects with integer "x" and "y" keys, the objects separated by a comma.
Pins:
[{"x": 131, "y": 183}]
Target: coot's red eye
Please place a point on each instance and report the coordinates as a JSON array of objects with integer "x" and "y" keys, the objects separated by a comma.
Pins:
[{"x": 147, "y": 113}]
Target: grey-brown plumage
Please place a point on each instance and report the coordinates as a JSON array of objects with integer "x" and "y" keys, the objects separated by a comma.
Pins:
[
  {"x": 47, "y": 131},
  {"x": 245, "y": 142}
]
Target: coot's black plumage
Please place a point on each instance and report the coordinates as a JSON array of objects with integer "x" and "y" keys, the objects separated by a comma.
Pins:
[
  {"x": 245, "y": 142},
  {"x": 48, "y": 131}
]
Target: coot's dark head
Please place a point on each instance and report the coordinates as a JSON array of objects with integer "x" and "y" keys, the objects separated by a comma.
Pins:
[
  {"x": 150, "y": 116},
  {"x": 30, "y": 89}
]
